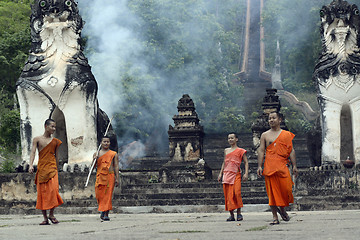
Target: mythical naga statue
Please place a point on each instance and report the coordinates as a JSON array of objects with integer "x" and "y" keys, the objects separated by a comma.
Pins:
[
  {"x": 57, "y": 83},
  {"x": 337, "y": 74}
]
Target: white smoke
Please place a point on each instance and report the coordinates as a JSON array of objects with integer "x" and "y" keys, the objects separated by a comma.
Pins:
[
  {"x": 114, "y": 46},
  {"x": 110, "y": 42}
]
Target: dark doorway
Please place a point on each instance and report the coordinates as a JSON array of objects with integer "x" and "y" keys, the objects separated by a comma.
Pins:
[
  {"x": 60, "y": 133},
  {"x": 347, "y": 149}
]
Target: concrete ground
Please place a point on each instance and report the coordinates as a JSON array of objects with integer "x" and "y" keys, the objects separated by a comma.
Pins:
[{"x": 303, "y": 225}]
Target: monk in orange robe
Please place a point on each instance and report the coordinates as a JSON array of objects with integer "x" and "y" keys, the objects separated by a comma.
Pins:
[
  {"x": 230, "y": 174},
  {"x": 107, "y": 176},
  {"x": 279, "y": 148},
  {"x": 46, "y": 179}
]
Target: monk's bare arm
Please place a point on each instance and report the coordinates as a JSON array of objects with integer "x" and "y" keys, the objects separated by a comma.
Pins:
[
  {"x": 95, "y": 156},
  {"x": 32, "y": 154},
  {"x": 293, "y": 162},
  {"x": 116, "y": 169},
  {"x": 246, "y": 162},
  {"x": 261, "y": 153},
  {"x": 222, "y": 168}
]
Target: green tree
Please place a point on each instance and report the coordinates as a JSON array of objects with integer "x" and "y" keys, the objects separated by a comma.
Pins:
[
  {"x": 14, "y": 47},
  {"x": 14, "y": 41}
]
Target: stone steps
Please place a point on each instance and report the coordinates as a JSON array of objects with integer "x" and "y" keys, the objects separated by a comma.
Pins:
[
  {"x": 189, "y": 201},
  {"x": 193, "y": 193},
  {"x": 173, "y": 191},
  {"x": 328, "y": 202},
  {"x": 180, "y": 196},
  {"x": 193, "y": 185}
]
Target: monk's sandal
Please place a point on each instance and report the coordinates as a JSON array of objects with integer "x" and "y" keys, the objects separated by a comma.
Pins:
[{"x": 230, "y": 219}]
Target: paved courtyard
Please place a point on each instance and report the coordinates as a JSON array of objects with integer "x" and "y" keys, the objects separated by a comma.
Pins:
[{"x": 303, "y": 225}]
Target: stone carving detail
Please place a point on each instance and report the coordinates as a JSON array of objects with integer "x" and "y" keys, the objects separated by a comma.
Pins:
[
  {"x": 57, "y": 83},
  {"x": 338, "y": 81}
]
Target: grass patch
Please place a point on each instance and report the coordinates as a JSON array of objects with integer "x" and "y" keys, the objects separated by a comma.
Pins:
[
  {"x": 72, "y": 220},
  {"x": 186, "y": 231},
  {"x": 174, "y": 221},
  {"x": 87, "y": 232},
  {"x": 260, "y": 228},
  {"x": 1, "y": 226}
]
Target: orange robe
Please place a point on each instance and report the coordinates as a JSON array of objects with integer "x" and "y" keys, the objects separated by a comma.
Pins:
[
  {"x": 46, "y": 179},
  {"x": 105, "y": 181},
  {"x": 277, "y": 175},
  {"x": 232, "y": 179}
]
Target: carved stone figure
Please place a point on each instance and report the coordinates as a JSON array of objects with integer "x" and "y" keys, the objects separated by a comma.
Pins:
[
  {"x": 57, "y": 83},
  {"x": 337, "y": 74}
]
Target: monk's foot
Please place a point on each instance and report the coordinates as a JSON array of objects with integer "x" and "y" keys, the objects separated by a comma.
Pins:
[
  {"x": 230, "y": 219},
  {"x": 45, "y": 222},
  {"x": 239, "y": 217},
  {"x": 283, "y": 214},
  {"x": 102, "y": 215},
  {"x": 53, "y": 220},
  {"x": 106, "y": 218},
  {"x": 275, "y": 222}
]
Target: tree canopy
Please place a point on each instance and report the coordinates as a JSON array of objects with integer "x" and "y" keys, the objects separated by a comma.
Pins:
[{"x": 14, "y": 47}]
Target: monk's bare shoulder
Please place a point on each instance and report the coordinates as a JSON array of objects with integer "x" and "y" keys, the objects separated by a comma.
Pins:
[
  {"x": 227, "y": 150},
  {"x": 265, "y": 134},
  {"x": 37, "y": 140}
]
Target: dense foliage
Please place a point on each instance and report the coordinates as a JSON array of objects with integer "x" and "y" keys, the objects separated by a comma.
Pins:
[{"x": 14, "y": 48}]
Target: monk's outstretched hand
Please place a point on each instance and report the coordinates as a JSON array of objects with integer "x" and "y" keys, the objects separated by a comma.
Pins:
[
  {"x": 31, "y": 169},
  {"x": 245, "y": 177},
  {"x": 219, "y": 177},
  {"x": 116, "y": 183},
  {"x": 259, "y": 171},
  {"x": 295, "y": 171}
]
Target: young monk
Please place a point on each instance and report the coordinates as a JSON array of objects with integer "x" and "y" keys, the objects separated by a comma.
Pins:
[
  {"x": 230, "y": 174},
  {"x": 279, "y": 148},
  {"x": 46, "y": 179},
  {"x": 107, "y": 176}
]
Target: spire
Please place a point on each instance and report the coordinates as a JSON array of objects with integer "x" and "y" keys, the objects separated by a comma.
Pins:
[{"x": 276, "y": 74}]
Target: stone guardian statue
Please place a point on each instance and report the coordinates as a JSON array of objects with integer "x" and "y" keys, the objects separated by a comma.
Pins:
[
  {"x": 337, "y": 74},
  {"x": 57, "y": 83}
]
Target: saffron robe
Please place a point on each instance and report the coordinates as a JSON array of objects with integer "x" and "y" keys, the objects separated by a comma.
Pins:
[
  {"x": 232, "y": 179},
  {"x": 46, "y": 179},
  {"x": 277, "y": 175},
  {"x": 105, "y": 181}
]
